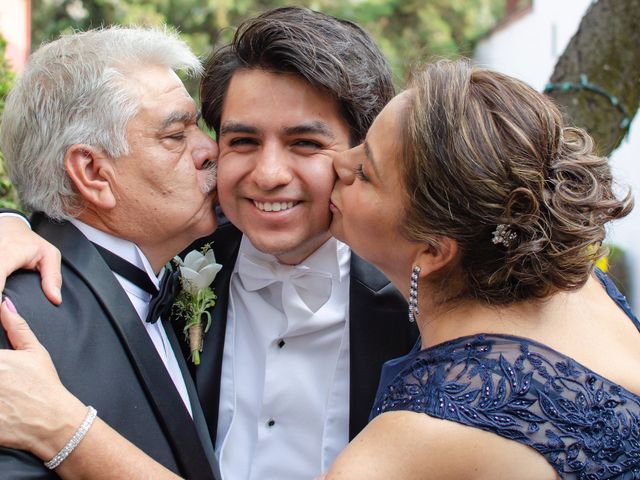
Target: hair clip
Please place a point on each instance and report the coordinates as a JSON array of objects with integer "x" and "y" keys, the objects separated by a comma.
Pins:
[{"x": 504, "y": 235}]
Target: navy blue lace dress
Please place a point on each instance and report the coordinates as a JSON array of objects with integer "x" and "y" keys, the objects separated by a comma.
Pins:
[{"x": 586, "y": 426}]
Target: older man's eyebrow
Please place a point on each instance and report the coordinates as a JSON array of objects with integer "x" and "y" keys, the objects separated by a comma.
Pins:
[
  {"x": 237, "y": 127},
  {"x": 369, "y": 156},
  {"x": 179, "y": 117},
  {"x": 313, "y": 128}
]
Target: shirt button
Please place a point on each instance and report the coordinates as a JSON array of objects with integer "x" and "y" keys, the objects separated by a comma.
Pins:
[
  {"x": 271, "y": 422},
  {"x": 281, "y": 343}
]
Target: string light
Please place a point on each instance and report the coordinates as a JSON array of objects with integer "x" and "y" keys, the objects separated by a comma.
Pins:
[{"x": 586, "y": 85}]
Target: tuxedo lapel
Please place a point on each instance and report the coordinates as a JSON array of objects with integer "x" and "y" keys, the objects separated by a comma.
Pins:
[
  {"x": 80, "y": 256},
  {"x": 196, "y": 410},
  {"x": 378, "y": 331},
  {"x": 225, "y": 243}
]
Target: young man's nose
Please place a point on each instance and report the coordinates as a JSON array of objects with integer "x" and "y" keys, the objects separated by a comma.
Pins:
[{"x": 272, "y": 168}]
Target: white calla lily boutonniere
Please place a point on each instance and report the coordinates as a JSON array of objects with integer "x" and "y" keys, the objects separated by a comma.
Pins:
[{"x": 198, "y": 270}]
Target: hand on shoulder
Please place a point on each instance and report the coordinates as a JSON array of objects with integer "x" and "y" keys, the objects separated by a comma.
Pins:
[
  {"x": 38, "y": 413},
  {"x": 23, "y": 248}
]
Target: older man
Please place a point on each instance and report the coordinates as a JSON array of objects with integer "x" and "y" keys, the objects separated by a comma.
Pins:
[
  {"x": 100, "y": 135},
  {"x": 301, "y": 327}
]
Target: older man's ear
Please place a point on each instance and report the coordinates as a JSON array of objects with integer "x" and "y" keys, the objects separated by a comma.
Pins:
[{"x": 92, "y": 173}]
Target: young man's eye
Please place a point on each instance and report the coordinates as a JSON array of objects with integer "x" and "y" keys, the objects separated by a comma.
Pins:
[
  {"x": 308, "y": 144},
  {"x": 359, "y": 171},
  {"x": 242, "y": 141}
]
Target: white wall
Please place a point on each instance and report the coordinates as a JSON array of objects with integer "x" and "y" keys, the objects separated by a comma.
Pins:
[
  {"x": 528, "y": 48},
  {"x": 15, "y": 25}
]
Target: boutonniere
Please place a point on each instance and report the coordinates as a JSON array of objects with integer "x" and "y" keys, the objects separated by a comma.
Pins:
[{"x": 198, "y": 270}]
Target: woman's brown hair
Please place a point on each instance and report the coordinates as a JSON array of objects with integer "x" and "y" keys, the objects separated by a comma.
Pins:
[{"x": 482, "y": 149}]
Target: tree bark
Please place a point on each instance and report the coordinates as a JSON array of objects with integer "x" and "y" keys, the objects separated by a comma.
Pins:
[{"x": 605, "y": 52}]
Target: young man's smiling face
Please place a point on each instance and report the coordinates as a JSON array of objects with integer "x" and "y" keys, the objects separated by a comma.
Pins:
[{"x": 277, "y": 139}]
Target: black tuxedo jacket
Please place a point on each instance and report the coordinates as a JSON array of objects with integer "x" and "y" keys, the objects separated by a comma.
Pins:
[
  {"x": 105, "y": 357},
  {"x": 379, "y": 331}
]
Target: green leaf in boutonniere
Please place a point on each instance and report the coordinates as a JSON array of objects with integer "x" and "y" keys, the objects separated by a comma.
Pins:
[{"x": 198, "y": 270}]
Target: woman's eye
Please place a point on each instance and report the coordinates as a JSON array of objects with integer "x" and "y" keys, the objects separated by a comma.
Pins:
[{"x": 359, "y": 171}]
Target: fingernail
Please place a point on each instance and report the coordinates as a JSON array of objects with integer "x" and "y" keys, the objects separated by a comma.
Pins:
[
  {"x": 57, "y": 293},
  {"x": 10, "y": 305}
]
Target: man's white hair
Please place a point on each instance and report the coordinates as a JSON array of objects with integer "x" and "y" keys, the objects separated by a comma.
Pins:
[{"x": 74, "y": 91}]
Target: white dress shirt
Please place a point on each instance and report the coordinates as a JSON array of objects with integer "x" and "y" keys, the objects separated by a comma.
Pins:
[
  {"x": 140, "y": 299},
  {"x": 284, "y": 393}
]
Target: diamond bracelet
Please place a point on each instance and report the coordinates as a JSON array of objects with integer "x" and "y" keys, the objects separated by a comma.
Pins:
[{"x": 74, "y": 441}]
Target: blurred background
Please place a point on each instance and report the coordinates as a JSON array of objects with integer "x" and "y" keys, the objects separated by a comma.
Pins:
[{"x": 584, "y": 53}]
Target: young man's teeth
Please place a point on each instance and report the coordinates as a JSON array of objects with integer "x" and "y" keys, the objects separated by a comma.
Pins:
[{"x": 273, "y": 206}]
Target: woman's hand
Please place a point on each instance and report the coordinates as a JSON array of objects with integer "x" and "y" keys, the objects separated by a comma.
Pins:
[
  {"x": 22, "y": 248},
  {"x": 37, "y": 413}
]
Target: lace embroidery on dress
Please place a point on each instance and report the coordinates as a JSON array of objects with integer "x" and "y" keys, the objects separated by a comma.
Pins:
[{"x": 586, "y": 426}]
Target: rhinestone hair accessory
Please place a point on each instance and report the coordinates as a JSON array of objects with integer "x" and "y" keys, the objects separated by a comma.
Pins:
[
  {"x": 413, "y": 294},
  {"x": 503, "y": 235}
]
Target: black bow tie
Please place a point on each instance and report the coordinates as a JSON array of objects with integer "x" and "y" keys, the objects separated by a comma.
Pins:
[
  {"x": 160, "y": 305},
  {"x": 161, "y": 299}
]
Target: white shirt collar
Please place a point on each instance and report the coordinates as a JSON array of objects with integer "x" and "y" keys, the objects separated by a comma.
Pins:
[{"x": 125, "y": 249}]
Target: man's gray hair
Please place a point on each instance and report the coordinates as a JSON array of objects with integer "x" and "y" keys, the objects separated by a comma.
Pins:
[{"x": 74, "y": 91}]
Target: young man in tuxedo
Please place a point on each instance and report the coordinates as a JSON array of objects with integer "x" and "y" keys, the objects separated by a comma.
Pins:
[
  {"x": 302, "y": 326},
  {"x": 100, "y": 137}
]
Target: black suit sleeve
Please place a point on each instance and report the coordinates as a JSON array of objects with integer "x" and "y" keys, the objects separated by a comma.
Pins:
[{"x": 19, "y": 465}]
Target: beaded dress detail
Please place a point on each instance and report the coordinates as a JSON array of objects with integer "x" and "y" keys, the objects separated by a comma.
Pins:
[{"x": 586, "y": 426}]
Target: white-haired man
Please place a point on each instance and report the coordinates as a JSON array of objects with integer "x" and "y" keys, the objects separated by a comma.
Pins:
[{"x": 101, "y": 136}]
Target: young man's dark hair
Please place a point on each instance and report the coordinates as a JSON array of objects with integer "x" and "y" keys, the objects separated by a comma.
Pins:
[{"x": 336, "y": 56}]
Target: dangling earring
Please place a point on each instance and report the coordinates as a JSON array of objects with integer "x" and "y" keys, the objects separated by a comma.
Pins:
[{"x": 413, "y": 294}]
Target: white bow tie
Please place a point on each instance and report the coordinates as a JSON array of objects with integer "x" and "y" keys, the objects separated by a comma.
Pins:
[{"x": 313, "y": 287}]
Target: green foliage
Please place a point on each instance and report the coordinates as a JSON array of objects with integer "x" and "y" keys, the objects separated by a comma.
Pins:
[
  {"x": 409, "y": 31},
  {"x": 412, "y": 31},
  {"x": 7, "y": 192}
]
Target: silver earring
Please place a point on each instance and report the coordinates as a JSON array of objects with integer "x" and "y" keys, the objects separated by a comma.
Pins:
[{"x": 413, "y": 294}]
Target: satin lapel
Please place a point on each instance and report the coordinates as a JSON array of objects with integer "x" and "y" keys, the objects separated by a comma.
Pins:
[
  {"x": 198, "y": 416},
  {"x": 378, "y": 331},
  {"x": 225, "y": 243},
  {"x": 81, "y": 256}
]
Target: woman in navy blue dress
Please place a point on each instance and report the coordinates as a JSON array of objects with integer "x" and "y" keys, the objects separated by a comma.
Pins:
[{"x": 472, "y": 196}]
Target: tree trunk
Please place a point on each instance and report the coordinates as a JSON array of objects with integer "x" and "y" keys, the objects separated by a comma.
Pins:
[{"x": 604, "y": 54}]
